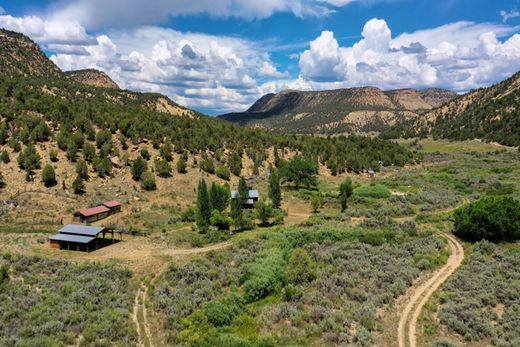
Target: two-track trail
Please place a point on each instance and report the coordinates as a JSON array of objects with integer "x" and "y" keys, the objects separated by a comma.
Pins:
[{"x": 408, "y": 318}]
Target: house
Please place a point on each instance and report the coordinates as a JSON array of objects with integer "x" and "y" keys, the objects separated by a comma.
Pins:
[
  {"x": 92, "y": 214},
  {"x": 113, "y": 206},
  {"x": 81, "y": 237},
  {"x": 254, "y": 195}
]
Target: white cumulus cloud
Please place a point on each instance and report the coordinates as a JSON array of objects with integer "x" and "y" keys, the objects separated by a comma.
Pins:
[{"x": 458, "y": 56}]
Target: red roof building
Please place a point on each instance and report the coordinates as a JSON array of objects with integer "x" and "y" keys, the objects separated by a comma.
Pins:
[
  {"x": 92, "y": 214},
  {"x": 113, "y": 206}
]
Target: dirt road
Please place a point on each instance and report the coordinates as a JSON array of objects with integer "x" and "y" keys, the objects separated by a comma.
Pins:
[
  {"x": 140, "y": 312},
  {"x": 408, "y": 321}
]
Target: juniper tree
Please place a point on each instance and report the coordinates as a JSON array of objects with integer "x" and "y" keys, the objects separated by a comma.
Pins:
[
  {"x": 181, "y": 165},
  {"x": 82, "y": 169},
  {"x": 275, "y": 191},
  {"x": 138, "y": 167},
  {"x": 203, "y": 207},
  {"x": 49, "y": 176},
  {"x": 345, "y": 192},
  {"x": 78, "y": 185}
]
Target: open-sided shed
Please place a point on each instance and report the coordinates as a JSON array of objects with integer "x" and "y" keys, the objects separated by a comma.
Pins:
[{"x": 81, "y": 237}]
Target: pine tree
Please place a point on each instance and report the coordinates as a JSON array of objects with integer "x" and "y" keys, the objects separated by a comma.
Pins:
[
  {"x": 275, "y": 191},
  {"x": 203, "y": 207},
  {"x": 345, "y": 192},
  {"x": 243, "y": 191},
  {"x": 49, "y": 176}
]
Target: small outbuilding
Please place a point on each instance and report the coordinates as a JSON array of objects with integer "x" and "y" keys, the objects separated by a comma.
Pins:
[
  {"x": 254, "y": 195},
  {"x": 92, "y": 214},
  {"x": 84, "y": 238},
  {"x": 113, "y": 206}
]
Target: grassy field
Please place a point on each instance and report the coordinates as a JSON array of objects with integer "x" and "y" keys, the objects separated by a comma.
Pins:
[{"x": 389, "y": 227}]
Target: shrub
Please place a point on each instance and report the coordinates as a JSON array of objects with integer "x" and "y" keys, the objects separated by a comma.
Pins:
[
  {"x": 49, "y": 176},
  {"x": 223, "y": 172},
  {"x": 78, "y": 185},
  {"x": 220, "y": 220},
  {"x": 89, "y": 152},
  {"x": 53, "y": 155},
  {"x": 82, "y": 169},
  {"x": 145, "y": 154},
  {"x": 189, "y": 215},
  {"x": 316, "y": 202},
  {"x": 445, "y": 343},
  {"x": 264, "y": 210},
  {"x": 301, "y": 267},
  {"x": 224, "y": 311},
  {"x": 373, "y": 190},
  {"x": 266, "y": 276},
  {"x": 138, "y": 167},
  {"x": 4, "y": 157},
  {"x": 491, "y": 218},
  {"x": 148, "y": 181},
  {"x": 208, "y": 166},
  {"x": 181, "y": 165},
  {"x": 102, "y": 165},
  {"x": 163, "y": 168}
]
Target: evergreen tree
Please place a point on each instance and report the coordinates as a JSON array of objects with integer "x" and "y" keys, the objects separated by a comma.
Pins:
[
  {"x": 53, "y": 155},
  {"x": 301, "y": 171},
  {"x": 163, "y": 168},
  {"x": 219, "y": 197},
  {"x": 78, "y": 185},
  {"x": 49, "y": 176},
  {"x": 4, "y": 157},
  {"x": 89, "y": 152},
  {"x": 275, "y": 190},
  {"x": 243, "y": 191},
  {"x": 138, "y": 167},
  {"x": 166, "y": 151},
  {"x": 2, "y": 181},
  {"x": 82, "y": 169},
  {"x": 235, "y": 164},
  {"x": 203, "y": 207},
  {"x": 181, "y": 165},
  {"x": 345, "y": 192}
]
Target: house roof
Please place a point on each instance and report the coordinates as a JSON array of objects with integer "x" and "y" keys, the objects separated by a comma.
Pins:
[
  {"x": 84, "y": 230},
  {"x": 253, "y": 194},
  {"x": 72, "y": 238},
  {"x": 87, "y": 212},
  {"x": 112, "y": 203}
]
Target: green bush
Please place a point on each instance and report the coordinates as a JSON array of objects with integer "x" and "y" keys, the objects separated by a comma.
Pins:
[
  {"x": 163, "y": 168},
  {"x": 266, "y": 276},
  {"x": 224, "y": 311},
  {"x": 223, "y": 172},
  {"x": 49, "y": 176},
  {"x": 220, "y": 220},
  {"x": 494, "y": 218},
  {"x": 301, "y": 267},
  {"x": 148, "y": 181},
  {"x": 373, "y": 190}
]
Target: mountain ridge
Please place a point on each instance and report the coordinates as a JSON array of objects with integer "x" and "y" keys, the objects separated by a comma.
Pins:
[{"x": 336, "y": 111}]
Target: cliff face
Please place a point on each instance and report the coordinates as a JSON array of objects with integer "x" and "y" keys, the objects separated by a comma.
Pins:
[{"x": 334, "y": 111}]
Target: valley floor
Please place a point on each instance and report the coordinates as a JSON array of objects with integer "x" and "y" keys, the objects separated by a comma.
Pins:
[{"x": 326, "y": 278}]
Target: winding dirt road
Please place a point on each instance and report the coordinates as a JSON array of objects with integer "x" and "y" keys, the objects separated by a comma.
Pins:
[
  {"x": 408, "y": 321},
  {"x": 140, "y": 310}
]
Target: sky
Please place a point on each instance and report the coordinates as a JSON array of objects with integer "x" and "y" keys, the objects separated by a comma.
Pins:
[{"x": 219, "y": 56}]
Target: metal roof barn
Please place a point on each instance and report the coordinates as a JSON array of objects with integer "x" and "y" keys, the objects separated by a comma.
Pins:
[
  {"x": 84, "y": 230},
  {"x": 72, "y": 238}
]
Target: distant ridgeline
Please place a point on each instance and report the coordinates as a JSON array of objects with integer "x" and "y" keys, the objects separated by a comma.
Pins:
[
  {"x": 53, "y": 107},
  {"x": 352, "y": 111},
  {"x": 491, "y": 114}
]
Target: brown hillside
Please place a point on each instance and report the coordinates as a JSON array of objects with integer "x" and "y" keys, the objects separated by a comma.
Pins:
[{"x": 92, "y": 77}]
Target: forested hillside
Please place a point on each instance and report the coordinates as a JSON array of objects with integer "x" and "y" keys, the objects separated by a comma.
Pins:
[
  {"x": 353, "y": 110},
  {"x": 490, "y": 114}
]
